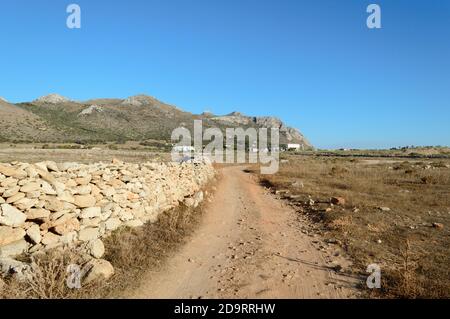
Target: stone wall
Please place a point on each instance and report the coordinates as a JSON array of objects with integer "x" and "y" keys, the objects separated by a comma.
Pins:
[{"x": 48, "y": 205}]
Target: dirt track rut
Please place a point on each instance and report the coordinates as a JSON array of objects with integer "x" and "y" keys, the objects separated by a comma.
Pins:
[{"x": 249, "y": 245}]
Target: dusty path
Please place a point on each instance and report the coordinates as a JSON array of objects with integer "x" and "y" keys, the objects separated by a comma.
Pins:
[{"x": 249, "y": 245}]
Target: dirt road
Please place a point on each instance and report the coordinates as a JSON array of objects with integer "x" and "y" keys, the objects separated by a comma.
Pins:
[{"x": 249, "y": 245}]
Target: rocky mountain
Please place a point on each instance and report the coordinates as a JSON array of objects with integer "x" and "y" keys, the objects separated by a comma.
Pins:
[
  {"x": 55, "y": 118},
  {"x": 51, "y": 99},
  {"x": 289, "y": 134}
]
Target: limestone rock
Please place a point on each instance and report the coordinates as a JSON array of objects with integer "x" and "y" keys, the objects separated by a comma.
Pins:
[
  {"x": 25, "y": 203},
  {"x": 9, "y": 235},
  {"x": 34, "y": 233},
  {"x": 30, "y": 187},
  {"x": 48, "y": 189},
  {"x": 113, "y": 223},
  {"x": 67, "y": 227},
  {"x": 91, "y": 212},
  {"x": 88, "y": 234},
  {"x": 37, "y": 213},
  {"x": 15, "y": 198},
  {"x": 50, "y": 239},
  {"x": 14, "y": 249},
  {"x": 100, "y": 269},
  {"x": 11, "y": 216},
  {"x": 54, "y": 205},
  {"x": 11, "y": 192},
  {"x": 17, "y": 269},
  {"x": 134, "y": 223},
  {"x": 12, "y": 172},
  {"x": 96, "y": 248},
  {"x": 84, "y": 201}
]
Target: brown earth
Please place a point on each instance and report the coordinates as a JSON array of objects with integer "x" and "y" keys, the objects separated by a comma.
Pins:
[
  {"x": 250, "y": 245},
  {"x": 394, "y": 213}
]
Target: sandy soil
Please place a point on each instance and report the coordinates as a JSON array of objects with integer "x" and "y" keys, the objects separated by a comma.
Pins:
[{"x": 250, "y": 245}]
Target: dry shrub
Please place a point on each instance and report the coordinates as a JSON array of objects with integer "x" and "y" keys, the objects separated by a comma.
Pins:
[
  {"x": 342, "y": 223},
  {"x": 47, "y": 278},
  {"x": 419, "y": 269}
]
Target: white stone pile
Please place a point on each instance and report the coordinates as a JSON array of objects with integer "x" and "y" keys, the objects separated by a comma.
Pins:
[{"x": 48, "y": 205}]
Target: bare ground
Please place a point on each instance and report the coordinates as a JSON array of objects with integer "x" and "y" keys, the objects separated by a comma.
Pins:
[
  {"x": 32, "y": 154},
  {"x": 250, "y": 245}
]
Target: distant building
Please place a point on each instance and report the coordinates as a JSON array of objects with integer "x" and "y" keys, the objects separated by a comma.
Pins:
[{"x": 293, "y": 147}]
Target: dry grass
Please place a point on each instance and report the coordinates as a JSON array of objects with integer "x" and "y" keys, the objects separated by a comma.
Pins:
[
  {"x": 414, "y": 255},
  {"x": 132, "y": 252}
]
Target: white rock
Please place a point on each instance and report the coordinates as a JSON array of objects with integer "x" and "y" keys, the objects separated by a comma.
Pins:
[
  {"x": 82, "y": 190},
  {"x": 113, "y": 223},
  {"x": 51, "y": 166},
  {"x": 88, "y": 234},
  {"x": 84, "y": 201},
  {"x": 34, "y": 233},
  {"x": 134, "y": 223},
  {"x": 66, "y": 196},
  {"x": 15, "y": 198},
  {"x": 11, "y": 216},
  {"x": 19, "y": 270},
  {"x": 48, "y": 189},
  {"x": 99, "y": 270},
  {"x": 30, "y": 187},
  {"x": 69, "y": 238},
  {"x": 14, "y": 249},
  {"x": 91, "y": 212},
  {"x": 96, "y": 248},
  {"x": 12, "y": 172},
  {"x": 36, "y": 213},
  {"x": 125, "y": 215},
  {"x": 11, "y": 192},
  {"x": 25, "y": 203},
  {"x": 9, "y": 235},
  {"x": 50, "y": 239}
]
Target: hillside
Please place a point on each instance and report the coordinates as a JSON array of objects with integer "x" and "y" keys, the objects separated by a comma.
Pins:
[
  {"x": 54, "y": 118},
  {"x": 17, "y": 124}
]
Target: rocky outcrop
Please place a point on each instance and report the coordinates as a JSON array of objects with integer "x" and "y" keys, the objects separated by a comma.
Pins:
[
  {"x": 287, "y": 134},
  {"x": 48, "y": 205},
  {"x": 52, "y": 99},
  {"x": 139, "y": 100},
  {"x": 90, "y": 110}
]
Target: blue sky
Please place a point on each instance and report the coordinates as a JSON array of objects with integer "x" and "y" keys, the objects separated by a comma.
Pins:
[{"x": 314, "y": 63}]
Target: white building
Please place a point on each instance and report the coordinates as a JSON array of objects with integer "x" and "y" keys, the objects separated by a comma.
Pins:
[{"x": 295, "y": 147}]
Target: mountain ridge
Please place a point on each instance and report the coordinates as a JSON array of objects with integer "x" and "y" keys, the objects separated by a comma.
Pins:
[{"x": 55, "y": 118}]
